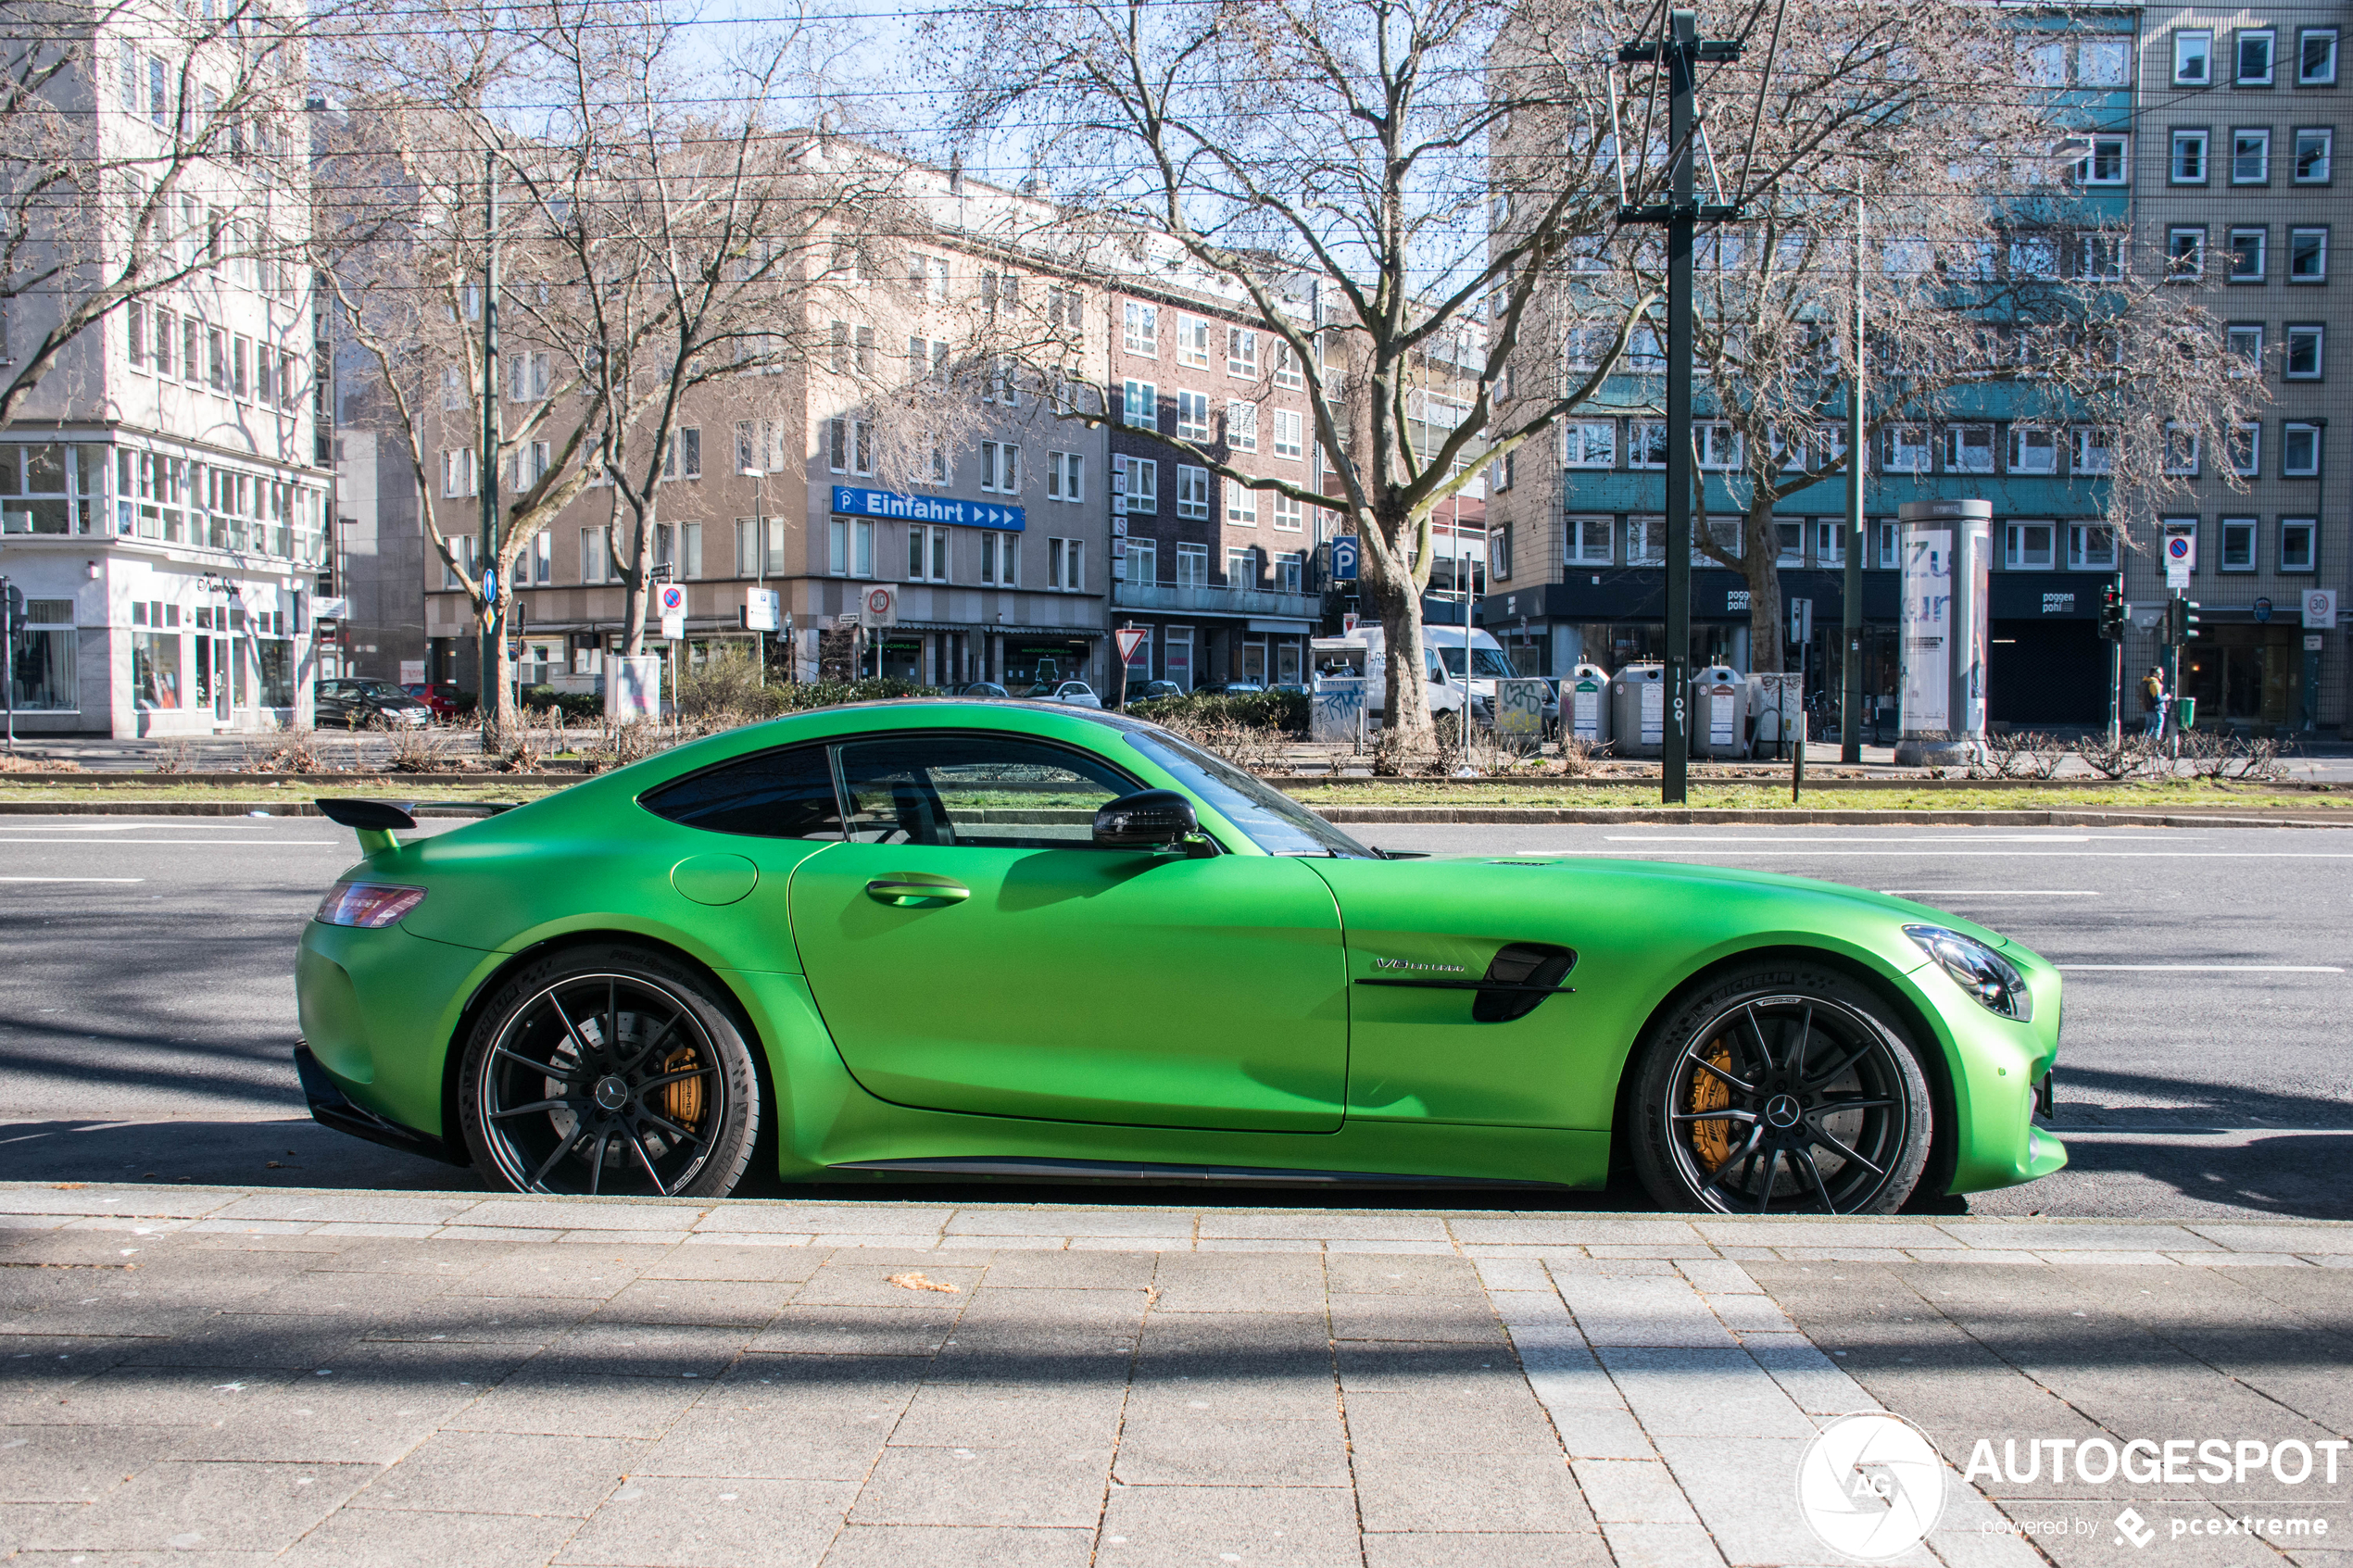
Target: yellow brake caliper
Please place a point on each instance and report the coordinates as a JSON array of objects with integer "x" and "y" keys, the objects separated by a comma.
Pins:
[{"x": 1712, "y": 1141}]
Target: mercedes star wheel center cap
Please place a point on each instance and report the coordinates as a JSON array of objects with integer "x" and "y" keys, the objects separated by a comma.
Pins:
[
  {"x": 611, "y": 1093},
  {"x": 1780, "y": 1110}
]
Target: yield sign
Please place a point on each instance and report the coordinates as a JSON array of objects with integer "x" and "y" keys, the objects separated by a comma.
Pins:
[{"x": 1130, "y": 639}]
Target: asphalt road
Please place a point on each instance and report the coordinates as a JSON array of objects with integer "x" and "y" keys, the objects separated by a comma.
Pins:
[{"x": 148, "y": 1013}]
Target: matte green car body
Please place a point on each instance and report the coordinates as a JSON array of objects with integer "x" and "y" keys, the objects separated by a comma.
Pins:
[{"x": 1128, "y": 1007}]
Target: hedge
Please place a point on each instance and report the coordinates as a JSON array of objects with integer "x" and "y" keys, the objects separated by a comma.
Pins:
[{"x": 1257, "y": 711}]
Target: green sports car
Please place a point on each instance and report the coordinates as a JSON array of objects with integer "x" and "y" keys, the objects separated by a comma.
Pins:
[{"x": 949, "y": 938}]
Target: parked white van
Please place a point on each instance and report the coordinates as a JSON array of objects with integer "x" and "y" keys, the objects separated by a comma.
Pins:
[{"x": 1456, "y": 665}]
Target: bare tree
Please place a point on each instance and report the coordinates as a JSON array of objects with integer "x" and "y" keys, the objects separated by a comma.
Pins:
[
  {"x": 1325, "y": 163},
  {"x": 203, "y": 169},
  {"x": 1896, "y": 147},
  {"x": 654, "y": 253}
]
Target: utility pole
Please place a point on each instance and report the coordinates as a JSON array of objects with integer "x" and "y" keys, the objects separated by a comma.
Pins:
[
  {"x": 492, "y": 622},
  {"x": 1681, "y": 52},
  {"x": 1850, "y": 707}
]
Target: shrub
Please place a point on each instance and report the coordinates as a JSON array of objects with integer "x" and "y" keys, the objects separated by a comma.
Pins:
[
  {"x": 573, "y": 705},
  {"x": 1251, "y": 711}
]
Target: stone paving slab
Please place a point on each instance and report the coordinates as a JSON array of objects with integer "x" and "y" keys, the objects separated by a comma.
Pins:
[{"x": 300, "y": 1377}]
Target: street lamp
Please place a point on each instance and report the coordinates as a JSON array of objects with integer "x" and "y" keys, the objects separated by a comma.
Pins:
[{"x": 758, "y": 557}]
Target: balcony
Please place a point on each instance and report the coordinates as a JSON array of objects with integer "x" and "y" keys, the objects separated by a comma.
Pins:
[{"x": 1239, "y": 603}]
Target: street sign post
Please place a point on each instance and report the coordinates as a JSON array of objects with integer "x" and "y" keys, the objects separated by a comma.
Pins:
[
  {"x": 878, "y": 607},
  {"x": 2319, "y": 609},
  {"x": 1128, "y": 638},
  {"x": 760, "y": 609},
  {"x": 2180, "y": 556}
]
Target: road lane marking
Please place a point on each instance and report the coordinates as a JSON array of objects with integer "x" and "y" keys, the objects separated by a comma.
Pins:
[
  {"x": 2231, "y": 967},
  {"x": 1971, "y": 854},
  {"x": 72, "y": 879},
  {"x": 1881, "y": 838},
  {"x": 1984, "y": 893}
]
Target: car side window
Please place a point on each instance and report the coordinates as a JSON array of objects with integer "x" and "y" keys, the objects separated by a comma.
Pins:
[
  {"x": 787, "y": 792},
  {"x": 993, "y": 792}
]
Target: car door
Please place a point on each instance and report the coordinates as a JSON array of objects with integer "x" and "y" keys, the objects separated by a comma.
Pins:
[{"x": 972, "y": 950}]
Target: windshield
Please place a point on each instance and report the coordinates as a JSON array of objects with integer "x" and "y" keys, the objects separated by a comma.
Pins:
[
  {"x": 1489, "y": 664},
  {"x": 1272, "y": 819}
]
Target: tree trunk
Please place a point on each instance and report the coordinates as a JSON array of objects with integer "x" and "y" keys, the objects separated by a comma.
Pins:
[
  {"x": 1761, "y": 568},
  {"x": 1399, "y": 606},
  {"x": 640, "y": 586}
]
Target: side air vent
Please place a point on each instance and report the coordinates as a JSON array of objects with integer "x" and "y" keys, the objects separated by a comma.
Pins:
[{"x": 1520, "y": 976}]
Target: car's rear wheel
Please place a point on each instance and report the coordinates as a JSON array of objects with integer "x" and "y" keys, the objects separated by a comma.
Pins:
[
  {"x": 1784, "y": 1089},
  {"x": 611, "y": 1070}
]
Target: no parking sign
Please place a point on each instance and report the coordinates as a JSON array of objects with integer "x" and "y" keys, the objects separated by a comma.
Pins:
[{"x": 2181, "y": 554}]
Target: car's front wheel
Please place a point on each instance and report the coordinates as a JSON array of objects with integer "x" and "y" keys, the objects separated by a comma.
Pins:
[
  {"x": 1783, "y": 1089},
  {"x": 609, "y": 1070}
]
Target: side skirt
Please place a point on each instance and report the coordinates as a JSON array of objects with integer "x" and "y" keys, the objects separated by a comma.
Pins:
[{"x": 1017, "y": 1169}]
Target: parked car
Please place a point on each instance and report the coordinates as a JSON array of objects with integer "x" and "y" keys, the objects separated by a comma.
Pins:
[
  {"x": 1078, "y": 693},
  {"x": 1148, "y": 691},
  {"x": 354, "y": 704},
  {"x": 515, "y": 994},
  {"x": 981, "y": 688},
  {"x": 1230, "y": 688},
  {"x": 442, "y": 699}
]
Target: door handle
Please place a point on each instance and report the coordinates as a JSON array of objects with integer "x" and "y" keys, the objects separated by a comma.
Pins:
[{"x": 907, "y": 892}]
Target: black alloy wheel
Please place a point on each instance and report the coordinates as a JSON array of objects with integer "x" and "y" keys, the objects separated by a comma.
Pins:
[
  {"x": 610, "y": 1073},
  {"x": 1783, "y": 1091}
]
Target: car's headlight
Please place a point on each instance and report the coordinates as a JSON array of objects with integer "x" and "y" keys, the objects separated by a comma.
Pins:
[
  {"x": 367, "y": 904},
  {"x": 1977, "y": 969}
]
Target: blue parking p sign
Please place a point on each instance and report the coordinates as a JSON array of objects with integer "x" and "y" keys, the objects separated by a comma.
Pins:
[{"x": 1344, "y": 558}]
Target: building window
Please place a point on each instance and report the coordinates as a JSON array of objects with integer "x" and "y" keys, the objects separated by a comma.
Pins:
[
  {"x": 1591, "y": 444},
  {"x": 1136, "y": 484},
  {"x": 1287, "y": 372},
  {"x": 2104, "y": 62},
  {"x": 2313, "y": 146},
  {"x": 2251, "y": 156},
  {"x": 1885, "y": 531},
  {"x": 1241, "y": 352},
  {"x": 2095, "y": 450},
  {"x": 1066, "y": 476},
  {"x": 2091, "y": 546},
  {"x": 1968, "y": 448},
  {"x": 2303, "y": 360},
  {"x": 1588, "y": 541},
  {"x": 1830, "y": 541},
  {"x": 1192, "y": 491},
  {"x": 850, "y": 547},
  {"x": 2189, "y": 167},
  {"x": 1192, "y": 342},
  {"x": 2186, "y": 252},
  {"x": 1646, "y": 352},
  {"x": 2316, "y": 57},
  {"x": 2300, "y": 451},
  {"x": 1291, "y": 513},
  {"x": 2181, "y": 450},
  {"x": 1241, "y": 567},
  {"x": 2246, "y": 258},
  {"x": 1139, "y": 404},
  {"x": 1192, "y": 566},
  {"x": 1789, "y": 541},
  {"x": 2193, "y": 57},
  {"x": 1242, "y": 426},
  {"x": 2246, "y": 450},
  {"x": 1719, "y": 445},
  {"x": 2299, "y": 543},
  {"x": 2108, "y": 163},
  {"x": 2033, "y": 449},
  {"x": 1000, "y": 559},
  {"x": 457, "y": 472},
  {"x": 1241, "y": 505},
  {"x": 927, "y": 553},
  {"x": 1499, "y": 551},
  {"x": 2308, "y": 256},
  {"x": 1143, "y": 565},
  {"x": 1290, "y": 571},
  {"x": 850, "y": 446},
  {"x": 1645, "y": 444},
  {"x": 2238, "y": 544},
  {"x": 1645, "y": 541},
  {"x": 1140, "y": 329},
  {"x": 2027, "y": 546},
  {"x": 1288, "y": 432},
  {"x": 1193, "y": 416},
  {"x": 1905, "y": 449},
  {"x": 2244, "y": 343},
  {"x": 1000, "y": 468},
  {"x": 2255, "y": 50}
]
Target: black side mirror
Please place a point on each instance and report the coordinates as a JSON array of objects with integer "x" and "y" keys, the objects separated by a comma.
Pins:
[{"x": 1151, "y": 819}]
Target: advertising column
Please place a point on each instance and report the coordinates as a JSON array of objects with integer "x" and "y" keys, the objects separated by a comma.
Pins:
[{"x": 1948, "y": 549}]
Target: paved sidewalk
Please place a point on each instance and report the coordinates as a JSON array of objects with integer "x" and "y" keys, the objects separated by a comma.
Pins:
[{"x": 227, "y": 1377}]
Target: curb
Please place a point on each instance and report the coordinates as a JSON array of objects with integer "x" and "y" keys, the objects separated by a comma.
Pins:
[{"x": 1533, "y": 816}]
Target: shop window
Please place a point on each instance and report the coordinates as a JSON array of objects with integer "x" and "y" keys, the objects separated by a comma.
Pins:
[
  {"x": 2238, "y": 544},
  {"x": 43, "y": 678},
  {"x": 2299, "y": 548}
]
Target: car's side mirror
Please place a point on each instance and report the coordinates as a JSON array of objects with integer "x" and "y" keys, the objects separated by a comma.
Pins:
[{"x": 1151, "y": 819}]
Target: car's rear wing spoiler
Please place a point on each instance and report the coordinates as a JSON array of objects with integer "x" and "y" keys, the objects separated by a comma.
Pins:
[{"x": 376, "y": 820}]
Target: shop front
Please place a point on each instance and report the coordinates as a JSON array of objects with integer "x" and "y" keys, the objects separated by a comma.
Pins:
[
  {"x": 2048, "y": 663},
  {"x": 2243, "y": 672}
]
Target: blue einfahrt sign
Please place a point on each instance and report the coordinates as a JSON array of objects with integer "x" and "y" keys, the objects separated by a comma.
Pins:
[{"x": 851, "y": 501}]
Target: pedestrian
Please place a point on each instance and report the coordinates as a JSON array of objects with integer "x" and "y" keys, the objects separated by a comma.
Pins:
[{"x": 2153, "y": 694}]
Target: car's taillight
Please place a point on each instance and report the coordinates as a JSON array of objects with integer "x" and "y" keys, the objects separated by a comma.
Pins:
[{"x": 368, "y": 904}]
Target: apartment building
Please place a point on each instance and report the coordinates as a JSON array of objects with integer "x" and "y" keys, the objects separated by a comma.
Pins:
[
  {"x": 161, "y": 501},
  {"x": 2236, "y": 192},
  {"x": 1583, "y": 579},
  {"x": 1222, "y": 578},
  {"x": 994, "y": 537}
]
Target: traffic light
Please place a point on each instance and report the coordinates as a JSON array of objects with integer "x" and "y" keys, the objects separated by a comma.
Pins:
[
  {"x": 2181, "y": 621},
  {"x": 2112, "y": 613}
]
